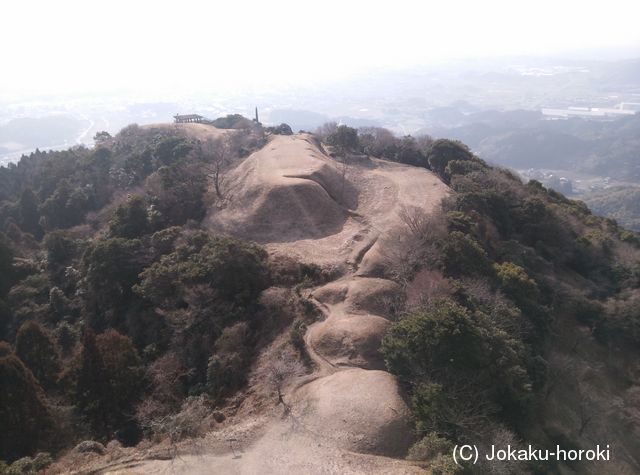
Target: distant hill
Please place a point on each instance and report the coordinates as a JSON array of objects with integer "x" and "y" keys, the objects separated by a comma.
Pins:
[
  {"x": 29, "y": 133},
  {"x": 309, "y": 121},
  {"x": 620, "y": 203},
  {"x": 520, "y": 139}
]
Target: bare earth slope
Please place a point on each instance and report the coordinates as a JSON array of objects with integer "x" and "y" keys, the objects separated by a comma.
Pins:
[
  {"x": 196, "y": 131},
  {"x": 350, "y": 415},
  {"x": 293, "y": 198}
]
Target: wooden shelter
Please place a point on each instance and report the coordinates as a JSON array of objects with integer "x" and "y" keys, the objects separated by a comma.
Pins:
[{"x": 188, "y": 118}]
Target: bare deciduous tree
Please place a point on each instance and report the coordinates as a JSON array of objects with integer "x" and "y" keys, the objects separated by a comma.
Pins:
[
  {"x": 192, "y": 421},
  {"x": 414, "y": 243},
  {"x": 586, "y": 410},
  {"x": 280, "y": 370},
  {"x": 501, "y": 439},
  {"x": 376, "y": 141},
  {"x": 326, "y": 129},
  {"x": 426, "y": 227},
  {"x": 219, "y": 153}
]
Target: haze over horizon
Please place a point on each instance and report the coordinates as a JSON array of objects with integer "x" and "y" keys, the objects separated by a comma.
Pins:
[{"x": 149, "y": 47}]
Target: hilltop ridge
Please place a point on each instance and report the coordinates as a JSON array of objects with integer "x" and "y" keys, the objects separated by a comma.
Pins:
[{"x": 294, "y": 303}]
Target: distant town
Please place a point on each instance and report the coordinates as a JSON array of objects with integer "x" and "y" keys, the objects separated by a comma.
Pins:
[{"x": 622, "y": 109}]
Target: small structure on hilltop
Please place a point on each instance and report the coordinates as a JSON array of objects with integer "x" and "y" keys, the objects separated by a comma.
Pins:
[{"x": 188, "y": 118}]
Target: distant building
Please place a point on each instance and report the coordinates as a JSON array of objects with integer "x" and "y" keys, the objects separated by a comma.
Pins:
[
  {"x": 589, "y": 112},
  {"x": 632, "y": 106},
  {"x": 188, "y": 118}
]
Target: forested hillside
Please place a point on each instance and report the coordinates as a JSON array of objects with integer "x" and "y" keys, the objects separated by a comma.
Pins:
[
  {"x": 621, "y": 203},
  {"x": 122, "y": 316},
  {"x": 116, "y": 308}
]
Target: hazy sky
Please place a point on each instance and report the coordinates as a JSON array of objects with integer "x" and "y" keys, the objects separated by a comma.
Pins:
[{"x": 68, "y": 45}]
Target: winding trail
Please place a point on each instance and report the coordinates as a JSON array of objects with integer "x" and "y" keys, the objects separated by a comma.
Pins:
[{"x": 349, "y": 416}]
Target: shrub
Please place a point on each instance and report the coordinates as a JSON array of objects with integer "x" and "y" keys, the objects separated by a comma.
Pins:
[
  {"x": 621, "y": 320},
  {"x": 378, "y": 142},
  {"x": 130, "y": 220},
  {"x": 23, "y": 466},
  {"x": 170, "y": 149},
  {"x": 296, "y": 336},
  {"x": 168, "y": 377},
  {"x": 282, "y": 129},
  {"x": 29, "y": 299},
  {"x": 90, "y": 446},
  {"x": 458, "y": 411},
  {"x": 463, "y": 167},
  {"x": 439, "y": 336},
  {"x": 462, "y": 255},
  {"x": 461, "y": 366},
  {"x": 445, "y": 465},
  {"x": 443, "y": 151},
  {"x": 67, "y": 206},
  {"x": 191, "y": 421},
  {"x": 430, "y": 447},
  {"x": 226, "y": 370},
  {"x": 60, "y": 248},
  {"x": 232, "y": 121},
  {"x": 163, "y": 241},
  {"x": 515, "y": 282},
  {"x": 237, "y": 270},
  {"x": 177, "y": 194},
  {"x": 345, "y": 139}
]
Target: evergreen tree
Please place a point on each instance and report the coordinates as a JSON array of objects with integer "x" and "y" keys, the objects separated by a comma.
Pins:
[
  {"x": 109, "y": 381},
  {"x": 36, "y": 348},
  {"x": 25, "y": 422},
  {"x": 5, "y": 349},
  {"x": 6, "y": 265},
  {"x": 123, "y": 373},
  {"x": 29, "y": 216},
  {"x": 91, "y": 386},
  {"x": 130, "y": 220},
  {"x": 5, "y": 318}
]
